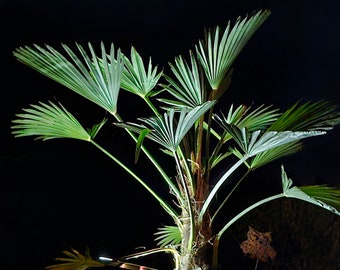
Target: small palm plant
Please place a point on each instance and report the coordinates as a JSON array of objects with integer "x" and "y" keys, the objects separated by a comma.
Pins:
[{"x": 185, "y": 125}]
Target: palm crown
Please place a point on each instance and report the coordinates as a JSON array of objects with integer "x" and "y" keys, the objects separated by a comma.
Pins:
[{"x": 185, "y": 126}]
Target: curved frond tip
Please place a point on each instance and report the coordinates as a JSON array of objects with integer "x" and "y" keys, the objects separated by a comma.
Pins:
[{"x": 48, "y": 121}]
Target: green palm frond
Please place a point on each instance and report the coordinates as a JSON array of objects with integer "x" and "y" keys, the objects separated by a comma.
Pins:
[
  {"x": 272, "y": 154},
  {"x": 220, "y": 157},
  {"x": 253, "y": 143},
  {"x": 319, "y": 195},
  {"x": 96, "y": 128},
  {"x": 188, "y": 91},
  {"x": 324, "y": 193},
  {"x": 257, "y": 119},
  {"x": 318, "y": 115},
  {"x": 217, "y": 54},
  {"x": 233, "y": 115},
  {"x": 136, "y": 78},
  {"x": 139, "y": 144},
  {"x": 75, "y": 261},
  {"x": 168, "y": 235},
  {"x": 274, "y": 139},
  {"x": 94, "y": 79},
  {"x": 167, "y": 130},
  {"x": 48, "y": 121}
]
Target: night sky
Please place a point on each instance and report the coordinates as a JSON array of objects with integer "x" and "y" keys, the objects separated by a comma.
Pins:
[{"x": 60, "y": 194}]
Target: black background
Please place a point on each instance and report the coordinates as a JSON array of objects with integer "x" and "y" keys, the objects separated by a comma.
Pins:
[{"x": 60, "y": 194}]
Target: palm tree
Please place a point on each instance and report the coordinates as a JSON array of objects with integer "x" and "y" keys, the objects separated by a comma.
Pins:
[{"x": 185, "y": 125}]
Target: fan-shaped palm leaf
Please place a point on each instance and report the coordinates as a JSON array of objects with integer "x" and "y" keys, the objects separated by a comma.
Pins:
[
  {"x": 318, "y": 115},
  {"x": 75, "y": 261},
  {"x": 167, "y": 130},
  {"x": 304, "y": 116},
  {"x": 97, "y": 82},
  {"x": 188, "y": 91},
  {"x": 270, "y": 155},
  {"x": 274, "y": 139},
  {"x": 48, "y": 121},
  {"x": 168, "y": 235},
  {"x": 257, "y": 142},
  {"x": 324, "y": 194},
  {"x": 136, "y": 78},
  {"x": 217, "y": 54},
  {"x": 319, "y": 195},
  {"x": 258, "y": 119},
  {"x": 252, "y": 144}
]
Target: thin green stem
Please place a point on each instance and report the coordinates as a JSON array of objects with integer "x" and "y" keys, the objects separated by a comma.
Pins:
[
  {"x": 150, "y": 104},
  {"x": 248, "y": 209},
  {"x": 234, "y": 219},
  {"x": 229, "y": 194},
  {"x": 218, "y": 186},
  {"x": 167, "y": 208}
]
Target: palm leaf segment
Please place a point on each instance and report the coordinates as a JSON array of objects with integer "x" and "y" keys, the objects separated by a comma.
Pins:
[
  {"x": 75, "y": 261},
  {"x": 98, "y": 80},
  {"x": 49, "y": 121},
  {"x": 217, "y": 54},
  {"x": 258, "y": 119},
  {"x": 320, "y": 115},
  {"x": 167, "y": 130},
  {"x": 188, "y": 91},
  {"x": 136, "y": 79},
  {"x": 320, "y": 195},
  {"x": 257, "y": 142},
  {"x": 168, "y": 235}
]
